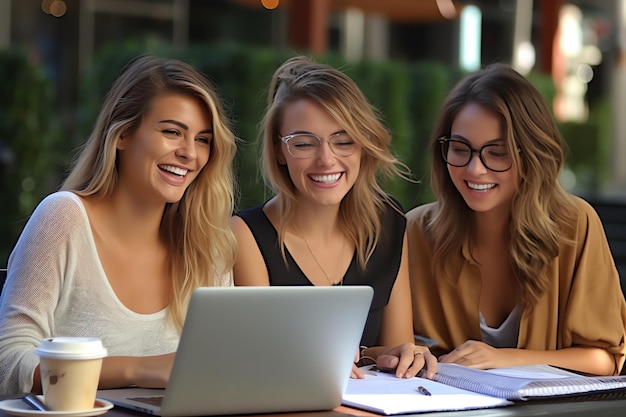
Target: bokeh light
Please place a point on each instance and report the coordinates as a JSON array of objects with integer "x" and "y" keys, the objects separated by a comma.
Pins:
[
  {"x": 45, "y": 6},
  {"x": 58, "y": 8},
  {"x": 270, "y": 4}
]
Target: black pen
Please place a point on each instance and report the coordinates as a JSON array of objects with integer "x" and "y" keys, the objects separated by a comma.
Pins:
[{"x": 424, "y": 390}]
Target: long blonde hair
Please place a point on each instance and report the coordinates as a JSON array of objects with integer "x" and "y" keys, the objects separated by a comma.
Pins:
[
  {"x": 359, "y": 213},
  {"x": 540, "y": 208},
  {"x": 202, "y": 245}
]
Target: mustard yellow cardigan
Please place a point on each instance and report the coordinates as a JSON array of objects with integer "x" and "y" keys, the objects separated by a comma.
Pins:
[{"x": 584, "y": 305}]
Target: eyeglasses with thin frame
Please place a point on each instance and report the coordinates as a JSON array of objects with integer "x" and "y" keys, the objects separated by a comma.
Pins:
[
  {"x": 495, "y": 157},
  {"x": 305, "y": 145}
]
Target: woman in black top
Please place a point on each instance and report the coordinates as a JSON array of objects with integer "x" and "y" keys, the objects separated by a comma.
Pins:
[{"x": 330, "y": 222}]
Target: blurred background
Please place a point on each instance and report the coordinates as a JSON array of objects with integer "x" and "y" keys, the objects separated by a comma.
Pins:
[{"x": 58, "y": 57}]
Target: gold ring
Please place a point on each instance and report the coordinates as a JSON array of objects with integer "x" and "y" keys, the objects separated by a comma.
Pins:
[{"x": 418, "y": 353}]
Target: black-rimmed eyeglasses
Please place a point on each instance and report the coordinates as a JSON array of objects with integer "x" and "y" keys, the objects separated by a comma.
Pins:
[
  {"x": 305, "y": 145},
  {"x": 495, "y": 157}
]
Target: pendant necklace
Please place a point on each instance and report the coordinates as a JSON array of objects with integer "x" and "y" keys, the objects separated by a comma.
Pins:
[{"x": 319, "y": 265}]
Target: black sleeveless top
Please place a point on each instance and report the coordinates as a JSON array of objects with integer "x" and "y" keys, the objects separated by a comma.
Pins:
[{"x": 380, "y": 272}]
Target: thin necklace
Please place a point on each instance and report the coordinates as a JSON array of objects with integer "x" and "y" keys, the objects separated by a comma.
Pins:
[{"x": 319, "y": 265}]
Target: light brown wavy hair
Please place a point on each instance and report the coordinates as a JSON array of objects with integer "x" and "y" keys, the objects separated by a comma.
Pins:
[
  {"x": 540, "y": 208},
  {"x": 202, "y": 245},
  {"x": 301, "y": 78}
]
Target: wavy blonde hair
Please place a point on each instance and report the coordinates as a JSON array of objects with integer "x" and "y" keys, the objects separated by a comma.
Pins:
[
  {"x": 202, "y": 245},
  {"x": 359, "y": 213},
  {"x": 540, "y": 208}
]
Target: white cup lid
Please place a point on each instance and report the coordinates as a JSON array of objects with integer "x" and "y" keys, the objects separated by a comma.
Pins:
[{"x": 71, "y": 348}]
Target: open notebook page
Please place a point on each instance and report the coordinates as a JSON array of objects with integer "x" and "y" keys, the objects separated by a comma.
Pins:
[{"x": 385, "y": 394}]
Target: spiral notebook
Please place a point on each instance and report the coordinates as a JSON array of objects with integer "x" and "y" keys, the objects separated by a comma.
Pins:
[
  {"x": 461, "y": 388},
  {"x": 521, "y": 383}
]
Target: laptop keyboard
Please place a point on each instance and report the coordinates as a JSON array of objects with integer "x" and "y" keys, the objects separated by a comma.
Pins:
[{"x": 156, "y": 400}]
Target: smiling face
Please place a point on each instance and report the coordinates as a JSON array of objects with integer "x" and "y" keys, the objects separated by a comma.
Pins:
[
  {"x": 159, "y": 160},
  {"x": 482, "y": 189},
  {"x": 324, "y": 178}
]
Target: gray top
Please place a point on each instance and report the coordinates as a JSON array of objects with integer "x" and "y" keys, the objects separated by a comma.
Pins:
[{"x": 504, "y": 336}]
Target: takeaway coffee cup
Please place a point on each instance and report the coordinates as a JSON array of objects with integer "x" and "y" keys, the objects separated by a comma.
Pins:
[{"x": 70, "y": 371}]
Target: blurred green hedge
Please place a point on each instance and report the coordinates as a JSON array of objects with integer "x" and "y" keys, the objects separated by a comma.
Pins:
[
  {"x": 30, "y": 144},
  {"x": 407, "y": 94}
]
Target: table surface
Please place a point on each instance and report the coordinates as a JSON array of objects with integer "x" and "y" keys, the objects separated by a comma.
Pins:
[{"x": 595, "y": 408}]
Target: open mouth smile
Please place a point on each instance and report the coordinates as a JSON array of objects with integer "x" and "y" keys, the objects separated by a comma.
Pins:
[
  {"x": 181, "y": 172},
  {"x": 480, "y": 187},
  {"x": 326, "y": 179}
]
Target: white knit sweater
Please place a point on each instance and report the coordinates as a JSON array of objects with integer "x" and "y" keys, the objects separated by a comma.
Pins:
[{"x": 56, "y": 287}]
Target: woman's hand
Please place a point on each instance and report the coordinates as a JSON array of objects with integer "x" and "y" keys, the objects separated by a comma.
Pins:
[
  {"x": 154, "y": 371},
  {"x": 408, "y": 359},
  {"x": 356, "y": 373},
  {"x": 479, "y": 355},
  {"x": 141, "y": 371}
]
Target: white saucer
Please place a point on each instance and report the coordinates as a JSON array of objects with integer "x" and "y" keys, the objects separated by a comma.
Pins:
[{"x": 17, "y": 407}]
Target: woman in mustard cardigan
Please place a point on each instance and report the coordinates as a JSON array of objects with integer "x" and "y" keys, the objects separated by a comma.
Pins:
[{"x": 506, "y": 267}]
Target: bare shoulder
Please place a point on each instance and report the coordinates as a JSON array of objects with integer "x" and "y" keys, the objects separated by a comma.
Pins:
[
  {"x": 238, "y": 226},
  {"x": 249, "y": 268},
  {"x": 242, "y": 232}
]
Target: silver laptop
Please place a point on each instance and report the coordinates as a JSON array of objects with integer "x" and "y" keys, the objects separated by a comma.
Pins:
[{"x": 259, "y": 350}]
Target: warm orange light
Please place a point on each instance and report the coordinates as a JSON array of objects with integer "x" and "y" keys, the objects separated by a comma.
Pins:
[
  {"x": 58, "y": 8},
  {"x": 45, "y": 6},
  {"x": 270, "y": 4}
]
